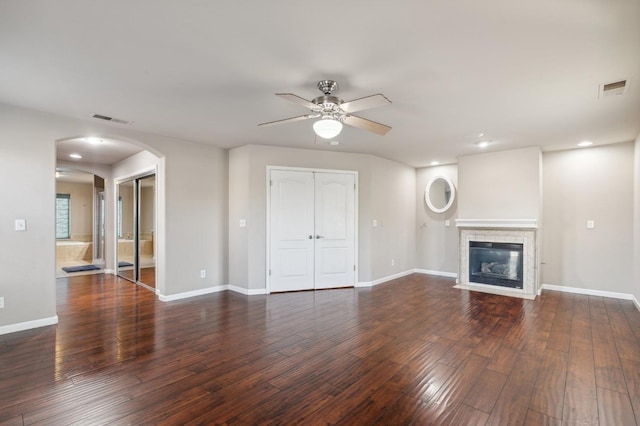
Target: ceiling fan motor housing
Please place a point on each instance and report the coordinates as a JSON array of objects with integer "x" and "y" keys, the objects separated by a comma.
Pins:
[{"x": 327, "y": 86}]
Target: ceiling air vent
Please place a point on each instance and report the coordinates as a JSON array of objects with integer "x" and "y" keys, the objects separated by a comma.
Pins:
[
  {"x": 613, "y": 89},
  {"x": 111, "y": 119}
]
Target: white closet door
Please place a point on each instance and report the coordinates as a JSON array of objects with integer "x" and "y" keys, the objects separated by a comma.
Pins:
[
  {"x": 292, "y": 231},
  {"x": 334, "y": 230}
]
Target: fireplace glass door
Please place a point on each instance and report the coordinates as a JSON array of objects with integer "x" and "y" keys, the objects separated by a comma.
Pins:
[{"x": 496, "y": 263}]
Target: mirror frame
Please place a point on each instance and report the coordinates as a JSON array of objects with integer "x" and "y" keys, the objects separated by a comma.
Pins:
[{"x": 451, "y": 199}]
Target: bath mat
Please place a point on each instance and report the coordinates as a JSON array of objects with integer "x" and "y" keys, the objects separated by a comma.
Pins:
[
  {"x": 124, "y": 264},
  {"x": 80, "y": 268}
]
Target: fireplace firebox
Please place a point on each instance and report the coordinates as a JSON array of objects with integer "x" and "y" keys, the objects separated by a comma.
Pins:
[{"x": 496, "y": 263}]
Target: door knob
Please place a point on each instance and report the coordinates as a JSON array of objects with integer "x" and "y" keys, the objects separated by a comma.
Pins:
[
  {"x": 318, "y": 236},
  {"x": 311, "y": 237}
]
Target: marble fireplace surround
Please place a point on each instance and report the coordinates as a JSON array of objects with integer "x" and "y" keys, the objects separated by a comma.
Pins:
[{"x": 519, "y": 231}]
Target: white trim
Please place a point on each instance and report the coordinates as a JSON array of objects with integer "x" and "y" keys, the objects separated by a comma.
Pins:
[
  {"x": 384, "y": 279},
  {"x": 109, "y": 271},
  {"x": 497, "y": 223},
  {"x": 494, "y": 289},
  {"x": 436, "y": 273},
  {"x": 590, "y": 292},
  {"x": 247, "y": 291},
  {"x": 635, "y": 302},
  {"x": 452, "y": 196},
  {"x": 193, "y": 293},
  {"x": 28, "y": 325}
]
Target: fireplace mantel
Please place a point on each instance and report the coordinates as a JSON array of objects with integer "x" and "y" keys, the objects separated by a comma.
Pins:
[{"x": 497, "y": 223}]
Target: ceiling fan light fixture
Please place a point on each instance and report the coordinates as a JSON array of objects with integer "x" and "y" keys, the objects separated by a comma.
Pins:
[{"x": 327, "y": 128}]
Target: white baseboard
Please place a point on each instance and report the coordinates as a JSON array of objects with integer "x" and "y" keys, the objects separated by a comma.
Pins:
[
  {"x": 109, "y": 271},
  {"x": 192, "y": 293},
  {"x": 383, "y": 279},
  {"x": 590, "y": 292},
  {"x": 27, "y": 325},
  {"x": 436, "y": 273},
  {"x": 247, "y": 291}
]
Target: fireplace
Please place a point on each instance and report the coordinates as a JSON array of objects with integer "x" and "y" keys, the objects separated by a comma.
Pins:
[
  {"x": 498, "y": 256},
  {"x": 496, "y": 263}
]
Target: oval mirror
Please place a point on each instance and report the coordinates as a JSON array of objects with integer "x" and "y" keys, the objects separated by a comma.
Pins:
[{"x": 440, "y": 194}]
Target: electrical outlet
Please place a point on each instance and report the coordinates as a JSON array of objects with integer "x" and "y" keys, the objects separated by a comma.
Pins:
[
  {"x": 591, "y": 224},
  {"x": 203, "y": 273},
  {"x": 393, "y": 262},
  {"x": 1, "y": 302}
]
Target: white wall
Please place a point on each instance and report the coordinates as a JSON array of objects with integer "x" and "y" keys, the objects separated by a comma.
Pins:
[
  {"x": 436, "y": 243},
  {"x": 636, "y": 220},
  {"x": 248, "y": 200},
  {"x": 589, "y": 184},
  {"x": 392, "y": 187},
  {"x": 500, "y": 185},
  {"x": 192, "y": 181},
  {"x": 27, "y": 190}
]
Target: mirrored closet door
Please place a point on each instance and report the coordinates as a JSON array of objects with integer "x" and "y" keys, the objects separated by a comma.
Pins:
[{"x": 136, "y": 230}]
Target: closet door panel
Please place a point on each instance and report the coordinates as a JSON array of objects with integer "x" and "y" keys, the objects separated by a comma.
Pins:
[
  {"x": 291, "y": 217},
  {"x": 335, "y": 230}
]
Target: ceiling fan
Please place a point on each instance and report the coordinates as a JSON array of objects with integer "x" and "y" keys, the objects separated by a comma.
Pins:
[{"x": 333, "y": 111}]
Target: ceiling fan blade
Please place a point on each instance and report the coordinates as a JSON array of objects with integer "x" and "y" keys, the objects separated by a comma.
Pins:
[
  {"x": 367, "y": 102},
  {"x": 297, "y": 99},
  {"x": 287, "y": 120},
  {"x": 363, "y": 123}
]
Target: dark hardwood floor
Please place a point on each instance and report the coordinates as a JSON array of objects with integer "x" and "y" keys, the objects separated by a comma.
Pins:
[{"x": 411, "y": 351}]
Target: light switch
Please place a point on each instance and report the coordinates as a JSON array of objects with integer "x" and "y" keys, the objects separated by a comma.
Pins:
[
  {"x": 447, "y": 223},
  {"x": 374, "y": 222},
  {"x": 21, "y": 224},
  {"x": 591, "y": 224},
  {"x": 243, "y": 223}
]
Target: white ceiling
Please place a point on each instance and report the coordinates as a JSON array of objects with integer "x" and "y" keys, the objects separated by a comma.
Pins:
[{"x": 522, "y": 73}]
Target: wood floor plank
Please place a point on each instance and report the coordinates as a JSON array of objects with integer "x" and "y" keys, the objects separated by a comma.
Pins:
[
  {"x": 548, "y": 392},
  {"x": 607, "y": 366},
  {"x": 631, "y": 370},
  {"x": 485, "y": 392},
  {"x": 580, "y": 399},
  {"x": 411, "y": 351},
  {"x": 512, "y": 404},
  {"x": 538, "y": 419},
  {"x": 614, "y": 408}
]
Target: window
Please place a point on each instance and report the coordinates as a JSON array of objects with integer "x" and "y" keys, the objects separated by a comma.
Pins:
[{"x": 63, "y": 201}]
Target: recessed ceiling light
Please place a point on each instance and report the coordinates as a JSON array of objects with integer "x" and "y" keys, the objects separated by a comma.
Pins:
[
  {"x": 94, "y": 140},
  {"x": 76, "y": 156},
  {"x": 585, "y": 143},
  {"x": 483, "y": 144},
  {"x": 435, "y": 163}
]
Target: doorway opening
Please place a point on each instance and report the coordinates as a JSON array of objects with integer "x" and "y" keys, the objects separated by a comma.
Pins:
[{"x": 80, "y": 222}]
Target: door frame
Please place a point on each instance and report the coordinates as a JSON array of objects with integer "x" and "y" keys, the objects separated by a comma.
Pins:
[{"x": 268, "y": 215}]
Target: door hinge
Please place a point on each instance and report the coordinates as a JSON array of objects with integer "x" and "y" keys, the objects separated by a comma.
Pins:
[
  {"x": 269, "y": 272},
  {"x": 354, "y": 267},
  {"x": 354, "y": 186},
  {"x": 270, "y": 182}
]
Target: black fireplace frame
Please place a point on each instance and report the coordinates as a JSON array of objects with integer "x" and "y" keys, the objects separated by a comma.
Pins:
[{"x": 495, "y": 253}]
